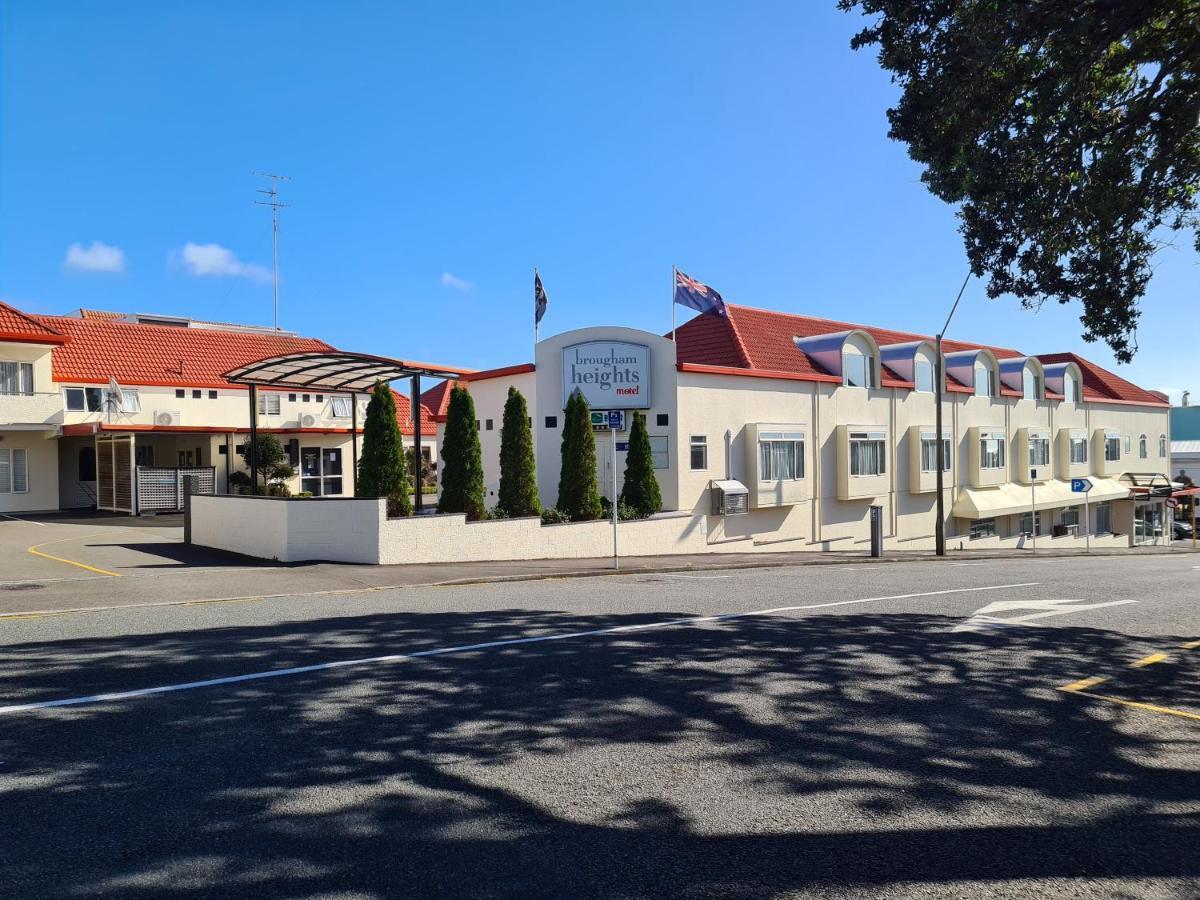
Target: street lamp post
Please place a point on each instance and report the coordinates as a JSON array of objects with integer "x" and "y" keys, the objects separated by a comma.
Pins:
[{"x": 939, "y": 389}]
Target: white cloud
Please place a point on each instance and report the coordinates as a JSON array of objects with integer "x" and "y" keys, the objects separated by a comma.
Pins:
[
  {"x": 215, "y": 261},
  {"x": 459, "y": 284},
  {"x": 98, "y": 257}
]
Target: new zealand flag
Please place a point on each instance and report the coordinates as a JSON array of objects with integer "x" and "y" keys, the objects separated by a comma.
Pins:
[{"x": 691, "y": 293}]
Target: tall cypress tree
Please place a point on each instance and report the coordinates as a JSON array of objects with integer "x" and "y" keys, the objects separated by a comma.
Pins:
[
  {"x": 641, "y": 490},
  {"x": 518, "y": 470},
  {"x": 578, "y": 492},
  {"x": 462, "y": 461},
  {"x": 382, "y": 471}
]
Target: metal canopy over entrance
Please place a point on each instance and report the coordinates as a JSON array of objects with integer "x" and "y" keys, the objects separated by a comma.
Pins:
[{"x": 336, "y": 371}]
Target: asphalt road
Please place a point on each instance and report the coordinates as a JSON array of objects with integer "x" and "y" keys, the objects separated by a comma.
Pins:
[{"x": 869, "y": 730}]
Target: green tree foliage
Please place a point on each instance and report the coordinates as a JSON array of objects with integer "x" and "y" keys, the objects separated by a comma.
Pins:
[
  {"x": 272, "y": 462},
  {"x": 462, "y": 461},
  {"x": 578, "y": 493},
  {"x": 381, "y": 468},
  {"x": 1066, "y": 132},
  {"x": 640, "y": 491},
  {"x": 518, "y": 470}
]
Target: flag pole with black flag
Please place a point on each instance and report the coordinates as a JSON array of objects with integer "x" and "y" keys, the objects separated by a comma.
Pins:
[{"x": 540, "y": 302}]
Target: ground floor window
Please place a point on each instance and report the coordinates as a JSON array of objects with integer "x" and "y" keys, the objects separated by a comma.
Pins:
[
  {"x": 321, "y": 471},
  {"x": 982, "y": 528},
  {"x": 1030, "y": 522},
  {"x": 1147, "y": 523},
  {"x": 1103, "y": 518},
  {"x": 14, "y": 471},
  {"x": 1070, "y": 516},
  {"x": 780, "y": 456},
  {"x": 143, "y": 455}
]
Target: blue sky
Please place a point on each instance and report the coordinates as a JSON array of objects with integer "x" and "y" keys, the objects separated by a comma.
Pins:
[{"x": 440, "y": 151}]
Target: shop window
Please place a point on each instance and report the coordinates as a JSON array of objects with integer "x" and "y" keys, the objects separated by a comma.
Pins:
[
  {"x": 87, "y": 463},
  {"x": 991, "y": 450},
  {"x": 1030, "y": 521},
  {"x": 663, "y": 420},
  {"x": 659, "y": 451},
  {"x": 1112, "y": 448},
  {"x": 268, "y": 404},
  {"x": 1078, "y": 450},
  {"x": 83, "y": 399},
  {"x": 321, "y": 471},
  {"x": 698, "y": 452},
  {"x": 1039, "y": 450},
  {"x": 929, "y": 453},
  {"x": 868, "y": 453},
  {"x": 1143, "y": 447},
  {"x": 982, "y": 528},
  {"x": 16, "y": 378},
  {"x": 14, "y": 471},
  {"x": 1103, "y": 518},
  {"x": 551, "y": 421},
  {"x": 1162, "y": 445},
  {"x": 780, "y": 456}
]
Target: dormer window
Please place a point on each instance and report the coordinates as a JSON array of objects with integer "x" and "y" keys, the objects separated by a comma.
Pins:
[
  {"x": 851, "y": 355},
  {"x": 1070, "y": 388},
  {"x": 1031, "y": 385},
  {"x": 923, "y": 376},
  {"x": 1023, "y": 374},
  {"x": 985, "y": 380},
  {"x": 857, "y": 370}
]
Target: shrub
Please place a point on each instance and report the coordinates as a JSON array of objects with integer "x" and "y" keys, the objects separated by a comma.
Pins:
[
  {"x": 271, "y": 460},
  {"x": 462, "y": 462},
  {"x": 518, "y": 470},
  {"x": 304, "y": 495},
  {"x": 554, "y": 516},
  {"x": 578, "y": 493},
  {"x": 381, "y": 469},
  {"x": 498, "y": 512},
  {"x": 640, "y": 490}
]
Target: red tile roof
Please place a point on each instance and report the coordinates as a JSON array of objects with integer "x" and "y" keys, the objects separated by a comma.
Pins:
[
  {"x": 17, "y": 327},
  {"x": 404, "y": 416},
  {"x": 763, "y": 341},
  {"x": 1100, "y": 384},
  {"x": 437, "y": 400},
  {"x": 159, "y": 355}
]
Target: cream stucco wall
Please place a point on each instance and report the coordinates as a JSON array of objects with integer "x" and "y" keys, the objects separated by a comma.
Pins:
[{"x": 41, "y": 454}]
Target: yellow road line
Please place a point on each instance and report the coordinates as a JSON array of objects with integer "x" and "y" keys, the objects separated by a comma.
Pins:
[
  {"x": 36, "y": 551},
  {"x": 1191, "y": 645},
  {"x": 1150, "y": 660},
  {"x": 1149, "y": 707},
  {"x": 1084, "y": 684}
]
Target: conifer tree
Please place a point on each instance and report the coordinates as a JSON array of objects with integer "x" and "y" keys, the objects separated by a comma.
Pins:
[
  {"x": 640, "y": 491},
  {"x": 382, "y": 471},
  {"x": 518, "y": 470},
  {"x": 462, "y": 461},
  {"x": 578, "y": 492}
]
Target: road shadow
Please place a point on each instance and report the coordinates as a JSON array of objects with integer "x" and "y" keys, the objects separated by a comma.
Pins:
[{"x": 764, "y": 756}]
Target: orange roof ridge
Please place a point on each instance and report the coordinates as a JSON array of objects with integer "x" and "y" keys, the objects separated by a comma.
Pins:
[{"x": 22, "y": 327}]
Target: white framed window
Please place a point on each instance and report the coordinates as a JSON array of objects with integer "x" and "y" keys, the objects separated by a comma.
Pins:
[
  {"x": 982, "y": 528},
  {"x": 1031, "y": 385},
  {"x": 1029, "y": 522},
  {"x": 698, "y": 452},
  {"x": 83, "y": 399},
  {"x": 929, "y": 453},
  {"x": 923, "y": 376},
  {"x": 985, "y": 380},
  {"x": 868, "y": 453},
  {"x": 341, "y": 407},
  {"x": 660, "y": 451},
  {"x": 1162, "y": 445},
  {"x": 1078, "y": 450},
  {"x": 780, "y": 455},
  {"x": 131, "y": 401},
  {"x": 268, "y": 404},
  {"x": 858, "y": 370},
  {"x": 1143, "y": 447},
  {"x": 1039, "y": 450},
  {"x": 14, "y": 471},
  {"x": 1128, "y": 444},
  {"x": 1112, "y": 447},
  {"x": 991, "y": 449},
  {"x": 16, "y": 378},
  {"x": 321, "y": 471},
  {"x": 1103, "y": 517},
  {"x": 1070, "y": 388}
]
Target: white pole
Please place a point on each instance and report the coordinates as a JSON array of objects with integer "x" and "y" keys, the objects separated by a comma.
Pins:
[
  {"x": 1087, "y": 520},
  {"x": 536, "y": 324},
  {"x": 613, "y": 428},
  {"x": 676, "y": 346},
  {"x": 1033, "y": 522}
]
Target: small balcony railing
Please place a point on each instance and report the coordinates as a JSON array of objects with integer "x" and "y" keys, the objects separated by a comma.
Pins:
[{"x": 30, "y": 409}]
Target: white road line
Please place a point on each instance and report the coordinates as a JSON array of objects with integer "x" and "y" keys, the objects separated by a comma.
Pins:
[
  {"x": 969, "y": 564},
  {"x": 26, "y": 521},
  {"x": 466, "y": 648},
  {"x": 698, "y": 577}
]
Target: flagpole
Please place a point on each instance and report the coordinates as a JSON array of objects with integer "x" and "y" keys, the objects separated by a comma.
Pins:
[
  {"x": 673, "y": 279},
  {"x": 536, "y": 324}
]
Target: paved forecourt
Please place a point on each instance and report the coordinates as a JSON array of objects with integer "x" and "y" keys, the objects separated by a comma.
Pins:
[{"x": 857, "y": 730}]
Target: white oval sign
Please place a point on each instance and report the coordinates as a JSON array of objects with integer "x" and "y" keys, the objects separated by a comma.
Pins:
[{"x": 611, "y": 374}]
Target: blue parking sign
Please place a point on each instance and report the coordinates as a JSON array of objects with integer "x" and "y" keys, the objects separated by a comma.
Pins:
[{"x": 1081, "y": 485}]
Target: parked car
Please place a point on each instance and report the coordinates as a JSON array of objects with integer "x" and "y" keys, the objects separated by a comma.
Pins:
[{"x": 1183, "y": 531}]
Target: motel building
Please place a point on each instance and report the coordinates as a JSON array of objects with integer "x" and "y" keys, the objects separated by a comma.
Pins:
[
  {"x": 779, "y": 431},
  {"x": 111, "y": 411}
]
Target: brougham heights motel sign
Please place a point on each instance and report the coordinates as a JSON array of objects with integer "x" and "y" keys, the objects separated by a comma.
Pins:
[{"x": 611, "y": 374}]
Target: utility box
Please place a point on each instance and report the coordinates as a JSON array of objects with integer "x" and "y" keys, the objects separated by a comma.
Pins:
[
  {"x": 876, "y": 531},
  {"x": 729, "y": 498}
]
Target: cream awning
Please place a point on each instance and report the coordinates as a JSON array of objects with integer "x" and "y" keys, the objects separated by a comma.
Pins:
[{"x": 1011, "y": 499}]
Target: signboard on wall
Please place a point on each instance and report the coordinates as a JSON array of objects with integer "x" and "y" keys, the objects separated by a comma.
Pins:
[{"x": 611, "y": 374}]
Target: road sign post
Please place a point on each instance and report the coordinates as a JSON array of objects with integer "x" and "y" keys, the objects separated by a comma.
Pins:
[
  {"x": 1033, "y": 519},
  {"x": 615, "y": 418},
  {"x": 1082, "y": 486}
]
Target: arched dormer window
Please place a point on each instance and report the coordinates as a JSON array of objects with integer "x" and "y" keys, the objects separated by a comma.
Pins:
[
  {"x": 1023, "y": 374},
  {"x": 912, "y": 361},
  {"x": 1064, "y": 378},
  {"x": 852, "y": 355},
  {"x": 975, "y": 369}
]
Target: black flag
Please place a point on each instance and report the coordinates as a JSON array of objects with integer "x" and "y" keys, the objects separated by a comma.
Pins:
[{"x": 540, "y": 300}]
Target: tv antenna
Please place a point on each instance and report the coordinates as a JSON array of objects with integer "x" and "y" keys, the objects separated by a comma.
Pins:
[{"x": 272, "y": 195}]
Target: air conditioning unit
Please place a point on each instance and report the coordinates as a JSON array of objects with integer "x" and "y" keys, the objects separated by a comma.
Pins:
[
  {"x": 308, "y": 420},
  {"x": 167, "y": 417}
]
